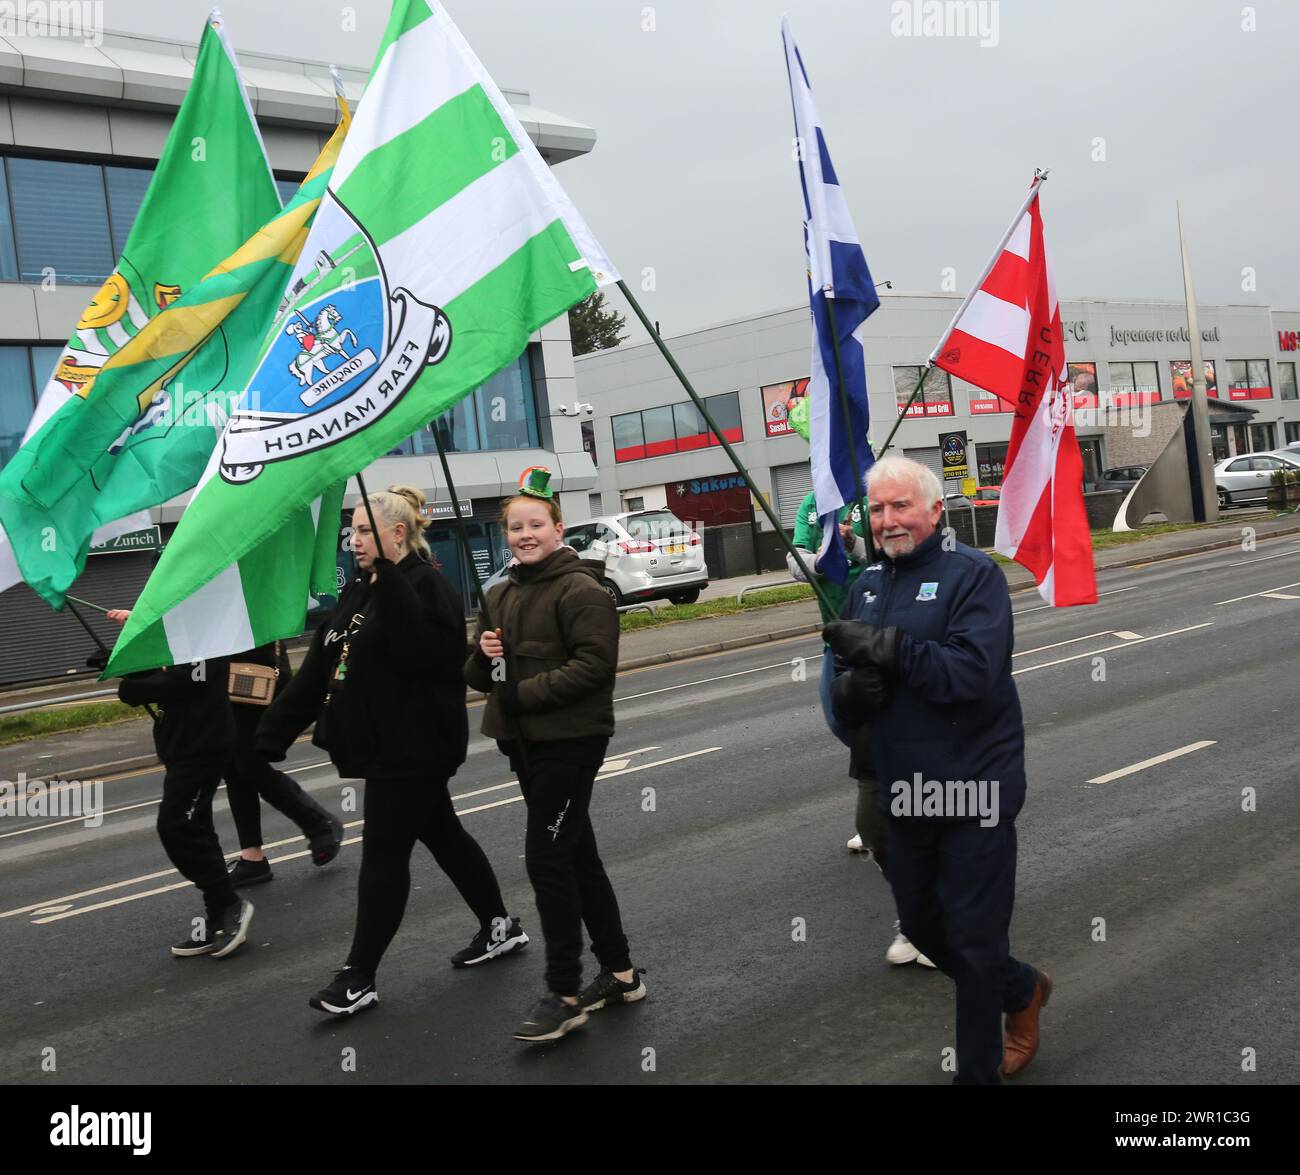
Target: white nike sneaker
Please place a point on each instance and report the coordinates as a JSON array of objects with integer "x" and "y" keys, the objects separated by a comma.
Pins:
[
  {"x": 855, "y": 845},
  {"x": 901, "y": 951}
]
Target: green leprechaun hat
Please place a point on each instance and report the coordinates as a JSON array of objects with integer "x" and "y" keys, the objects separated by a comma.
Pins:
[{"x": 535, "y": 482}]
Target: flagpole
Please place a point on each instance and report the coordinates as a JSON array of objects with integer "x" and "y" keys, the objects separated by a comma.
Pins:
[
  {"x": 916, "y": 391},
  {"x": 1040, "y": 175},
  {"x": 103, "y": 648},
  {"x": 722, "y": 440},
  {"x": 374, "y": 526},
  {"x": 460, "y": 527}
]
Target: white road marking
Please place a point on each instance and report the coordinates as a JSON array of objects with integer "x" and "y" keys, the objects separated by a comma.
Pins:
[
  {"x": 1072, "y": 641},
  {"x": 1279, "y": 596},
  {"x": 1109, "y": 649},
  {"x": 1123, "y": 771},
  {"x": 1044, "y": 607},
  {"x": 599, "y": 778},
  {"x": 607, "y": 765},
  {"x": 1263, "y": 558},
  {"x": 1128, "y": 636},
  {"x": 57, "y": 909},
  {"x": 709, "y": 680},
  {"x": 1237, "y": 599}
]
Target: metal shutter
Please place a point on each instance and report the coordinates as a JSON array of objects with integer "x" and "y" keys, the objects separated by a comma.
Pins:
[
  {"x": 791, "y": 484},
  {"x": 43, "y": 643},
  {"x": 932, "y": 459}
]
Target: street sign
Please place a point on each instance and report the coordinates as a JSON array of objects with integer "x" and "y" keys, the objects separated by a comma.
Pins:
[
  {"x": 952, "y": 451},
  {"x": 432, "y": 510},
  {"x": 148, "y": 539}
]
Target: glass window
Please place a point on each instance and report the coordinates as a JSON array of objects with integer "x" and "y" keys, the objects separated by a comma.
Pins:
[
  {"x": 1134, "y": 383},
  {"x": 579, "y": 537},
  {"x": 288, "y": 189},
  {"x": 692, "y": 432},
  {"x": 935, "y": 397},
  {"x": 457, "y": 429},
  {"x": 659, "y": 435},
  {"x": 126, "y": 189},
  {"x": 1257, "y": 377},
  {"x": 1242, "y": 465},
  {"x": 725, "y": 410},
  {"x": 16, "y": 400},
  {"x": 1261, "y": 438},
  {"x": 60, "y": 220},
  {"x": 1292, "y": 431},
  {"x": 507, "y": 407},
  {"x": 44, "y": 360},
  {"x": 8, "y": 255},
  {"x": 589, "y": 439},
  {"x": 629, "y": 441},
  {"x": 1267, "y": 464},
  {"x": 1286, "y": 381}
]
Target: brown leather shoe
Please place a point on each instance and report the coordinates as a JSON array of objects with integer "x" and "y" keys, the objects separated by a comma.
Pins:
[{"x": 1021, "y": 1041}]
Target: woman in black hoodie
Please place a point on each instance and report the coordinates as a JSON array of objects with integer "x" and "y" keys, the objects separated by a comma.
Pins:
[{"x": 383, "y": 683}]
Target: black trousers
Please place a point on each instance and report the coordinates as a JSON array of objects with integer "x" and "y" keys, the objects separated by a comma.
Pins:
[
  {"x": 870, "y": 819},
  {"x": 563, "y": 863},
  {"x": 186, "y": 831},
  {"x": 955, "y": 885},
  {"x": 397, "y": 813},
  {"x": 251, "y": 779}
]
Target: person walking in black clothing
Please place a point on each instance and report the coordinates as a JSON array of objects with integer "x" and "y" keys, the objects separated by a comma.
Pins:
[
  {"x": 251, "y": 779},
  {"x": 548, "y": 670},
  {"x": 383, "y": 683},
  {"x": 194, "y": 737}
]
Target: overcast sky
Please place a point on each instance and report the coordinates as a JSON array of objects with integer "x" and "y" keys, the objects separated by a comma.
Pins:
[{"x": 935, "y": 138}]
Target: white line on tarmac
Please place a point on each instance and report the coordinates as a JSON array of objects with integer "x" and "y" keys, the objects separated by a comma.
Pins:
[
  {"x": 1110, "y": 648},
  {"x": 617, "y": 763},
  {"x": 708, "y": 680},
  {"x": 1044, "y": 607},
  {"x": 599, "y": 778},
  {"x": 51, "y": 903},
  {"x": 1072, "y": 641},
  {"x": 1263, "y": 559},
  {"x": 1238, "y": 599},
  {"x": 1123, "y": 771}
]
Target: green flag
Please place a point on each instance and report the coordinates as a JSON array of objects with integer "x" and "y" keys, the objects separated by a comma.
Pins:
[
  {"x": 443, "y": 243},
  {"x": 84, "y": 466}
]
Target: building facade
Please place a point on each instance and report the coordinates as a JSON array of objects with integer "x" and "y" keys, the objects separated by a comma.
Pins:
[
  {"x": 652, "y": 448},
  {"x": 81, "y": 129}
]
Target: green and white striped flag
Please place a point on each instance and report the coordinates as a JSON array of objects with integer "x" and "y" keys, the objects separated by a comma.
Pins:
[{"x": 442, "y": 243}]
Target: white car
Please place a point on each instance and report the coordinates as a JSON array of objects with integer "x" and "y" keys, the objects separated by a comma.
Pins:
[
  {"x": 1245, "y": 478},
  {"x": 643, "y": 555}
]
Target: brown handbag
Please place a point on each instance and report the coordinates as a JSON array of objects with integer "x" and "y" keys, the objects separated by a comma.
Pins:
[{"x": 252, "y": 684}]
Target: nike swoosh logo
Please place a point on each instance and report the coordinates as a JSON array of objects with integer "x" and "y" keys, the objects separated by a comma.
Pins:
[{"x": 356, "y": 995}]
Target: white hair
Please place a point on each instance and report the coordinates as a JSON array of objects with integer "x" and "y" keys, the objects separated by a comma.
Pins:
[{"x": 909, "y": 472}]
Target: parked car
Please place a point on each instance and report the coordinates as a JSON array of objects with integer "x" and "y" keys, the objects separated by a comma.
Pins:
[
  {"x": 988, "y": 495},
  {"x": 642, "y": 555},
  {"x": 1245, "y": 477},
  {"x": 1122, "y": 477}
]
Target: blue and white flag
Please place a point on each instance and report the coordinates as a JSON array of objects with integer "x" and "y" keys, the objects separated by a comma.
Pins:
[{"x": 837, "y": 269}]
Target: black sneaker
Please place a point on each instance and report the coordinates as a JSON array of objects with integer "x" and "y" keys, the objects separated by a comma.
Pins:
[
  {"x": 351, "y": 991},
  {"x": 491, "y": 942},
  {"x": 198, "y": 942},
  {"x": 550, "y": 1019},
  {"x": 606, "y": 988},
  {"x": 230, "y": 927},
  {"x": 326, "y": 842},
  {"x": 244, "y": 872}
]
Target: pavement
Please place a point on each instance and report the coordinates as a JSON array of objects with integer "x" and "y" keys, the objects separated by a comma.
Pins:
[
  {"x": 128, "y": 746},
  {"x": 1158, "y": 879}
]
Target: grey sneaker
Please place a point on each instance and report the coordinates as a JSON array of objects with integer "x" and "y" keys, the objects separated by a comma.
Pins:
[{"x": 550, "y": 1019}]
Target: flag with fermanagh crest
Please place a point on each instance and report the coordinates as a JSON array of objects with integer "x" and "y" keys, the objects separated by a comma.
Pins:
[{"x": 442, "y": 244}]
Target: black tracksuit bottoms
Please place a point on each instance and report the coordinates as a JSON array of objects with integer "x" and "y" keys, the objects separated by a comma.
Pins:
[
  {"x": 397, "y": 813},
  {"x": 186, "y": 831},
  {"x": 563, "y": 862},
  {"x": 251, "y": 779}
]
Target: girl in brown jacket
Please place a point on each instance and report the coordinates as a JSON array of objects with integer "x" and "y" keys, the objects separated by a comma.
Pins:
[{"x": 548, "y": 669}]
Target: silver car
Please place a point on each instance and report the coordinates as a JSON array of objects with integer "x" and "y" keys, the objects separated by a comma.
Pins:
[
  {"x": 1245, "y": 478},
  {"x": 644, "y": 555}
]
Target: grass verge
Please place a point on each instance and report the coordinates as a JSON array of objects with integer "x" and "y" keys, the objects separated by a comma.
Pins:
[
  {"x": 17, "y": 728},
  {"x": 764, "y": 598}
]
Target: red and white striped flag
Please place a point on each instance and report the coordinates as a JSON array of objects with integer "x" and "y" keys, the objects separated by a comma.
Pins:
[{"x": 1007, "y": 339}]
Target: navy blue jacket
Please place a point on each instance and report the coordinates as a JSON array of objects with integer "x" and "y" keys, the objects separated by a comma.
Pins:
[{"x": 954, "y": 711}]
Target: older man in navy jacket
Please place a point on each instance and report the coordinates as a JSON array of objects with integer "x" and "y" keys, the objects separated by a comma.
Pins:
[{"x": 924, "y": 651}]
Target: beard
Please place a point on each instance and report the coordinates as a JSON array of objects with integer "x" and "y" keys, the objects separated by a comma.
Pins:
[{"x": 901, "y": 545}]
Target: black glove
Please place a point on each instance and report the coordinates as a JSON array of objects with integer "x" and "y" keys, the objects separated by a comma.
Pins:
[
  {"x": 97, "y": 661},
  {"x": 507, "y": 695},
  {"x": 858, "y": 694},
  {"x": 859, "y": 645}
]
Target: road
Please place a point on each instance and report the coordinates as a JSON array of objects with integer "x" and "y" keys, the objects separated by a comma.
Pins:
[{"x": 1164, "y": 908}]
